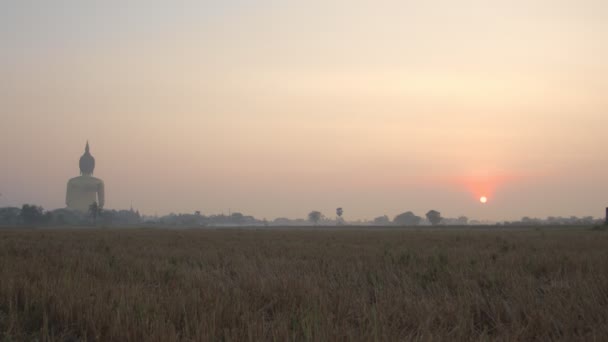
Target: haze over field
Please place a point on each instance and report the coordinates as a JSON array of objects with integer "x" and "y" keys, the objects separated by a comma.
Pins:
[{"x": 276, "y": 108}]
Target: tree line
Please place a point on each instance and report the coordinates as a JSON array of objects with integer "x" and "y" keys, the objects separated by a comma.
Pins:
[
  {"x": 33, "y": 215},
  {"x": 408, "y": 218}
]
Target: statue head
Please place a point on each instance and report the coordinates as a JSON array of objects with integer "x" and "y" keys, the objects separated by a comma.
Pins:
[{"x": 87, "y": 162}]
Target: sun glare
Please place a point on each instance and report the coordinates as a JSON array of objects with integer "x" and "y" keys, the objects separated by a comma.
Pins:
[{"x": 483, "y": 199}]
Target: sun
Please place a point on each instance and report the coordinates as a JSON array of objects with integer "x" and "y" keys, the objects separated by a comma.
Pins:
[{"x": 483, "y": 199}]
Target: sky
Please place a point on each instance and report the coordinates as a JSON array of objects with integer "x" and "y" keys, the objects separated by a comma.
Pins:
[{"x": 277, "y": 108}]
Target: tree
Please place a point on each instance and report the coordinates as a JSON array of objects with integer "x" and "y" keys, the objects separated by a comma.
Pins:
[
  {"x": 94, "y": 211},
  {"x": 382, "y": 221},
  {"x": 237, "y": 218},
  {"x": 314, "y": 217},
  {"x": 339, "y": 212},
  {"x": 10, "y": 216},
  {"x": 434, "y": 217},
  {"x": 407, "y": 219},
  {"x": 63, "y": 217},
  {"x": 462, "y": 220},
  {"x": 31, "y": 214}
]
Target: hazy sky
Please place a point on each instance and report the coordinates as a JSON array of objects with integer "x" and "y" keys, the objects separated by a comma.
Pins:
[{"x": 276, "y": 108}]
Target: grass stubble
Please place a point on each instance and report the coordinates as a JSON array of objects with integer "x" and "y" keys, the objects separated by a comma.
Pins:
[{"x": 303, "y": 284}]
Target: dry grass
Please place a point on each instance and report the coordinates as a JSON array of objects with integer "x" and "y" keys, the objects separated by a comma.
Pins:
[{"x": 239, "y": 285}]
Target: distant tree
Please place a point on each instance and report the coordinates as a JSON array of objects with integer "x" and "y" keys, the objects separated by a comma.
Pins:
[
  {"x": 282, "y": 221},
  {"x": 10, "y": 216},
  {"x": 532, "y": 221},
  {"x": 434, "y": 217},
  {"x": 120, "y": 217},
  {"x": 31, "y": 214},
  {"x": 314, "y": 217},
  {"x": 382, "y": 221},
  {"x": 339, "y": 213},
  {"x": 407, "y": 219},
  {"x": 237, "y": 218},
  {"x": 48, "y": 217},
  {"x": 94, "y": 211},
  {"x": 107, "y": 217},
  {"x": 60, "y": 220},
  {"x": 63, "y": 217},
  {"x": 462, "y": 220}
]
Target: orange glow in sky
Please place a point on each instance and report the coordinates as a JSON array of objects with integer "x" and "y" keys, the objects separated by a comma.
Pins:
[{"x": 483, "y": 185}]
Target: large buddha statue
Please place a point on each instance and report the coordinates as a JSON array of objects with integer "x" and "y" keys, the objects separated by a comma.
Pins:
[{"x": 86, "y": 189}]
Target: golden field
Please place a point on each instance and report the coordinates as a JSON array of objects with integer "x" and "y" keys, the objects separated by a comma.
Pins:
[{"x": 303, "y": 284}]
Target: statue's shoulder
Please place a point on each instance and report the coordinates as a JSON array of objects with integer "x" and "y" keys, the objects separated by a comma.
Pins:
[
  {"x": 74, "y": 180},
  {"x": 85, "y": 179},
  {"x": 97, "y": 180}
]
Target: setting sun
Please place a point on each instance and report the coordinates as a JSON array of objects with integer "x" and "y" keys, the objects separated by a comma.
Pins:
[{"x": 483, "y": 199}]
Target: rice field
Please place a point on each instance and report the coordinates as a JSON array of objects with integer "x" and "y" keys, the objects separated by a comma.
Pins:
[{"x": 303, "y": 284}]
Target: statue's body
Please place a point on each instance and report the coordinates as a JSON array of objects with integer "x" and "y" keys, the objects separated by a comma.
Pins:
[{"x": 85, "y": 190}]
